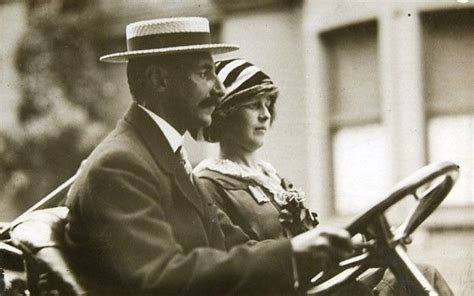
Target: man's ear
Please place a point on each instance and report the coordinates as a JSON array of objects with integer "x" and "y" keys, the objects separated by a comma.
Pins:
[{"x": 157, "y": 76}]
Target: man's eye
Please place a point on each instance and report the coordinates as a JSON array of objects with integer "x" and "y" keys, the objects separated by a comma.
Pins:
[
  {"x": 253, "y": 106},
  {"x": 206, "y": 73}
]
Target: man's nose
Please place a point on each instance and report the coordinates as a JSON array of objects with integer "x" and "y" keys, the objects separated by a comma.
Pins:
[{"x": 218, "y": 89}]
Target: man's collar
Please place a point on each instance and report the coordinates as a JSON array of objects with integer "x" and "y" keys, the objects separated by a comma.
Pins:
[{"x": 175, "y": 139}]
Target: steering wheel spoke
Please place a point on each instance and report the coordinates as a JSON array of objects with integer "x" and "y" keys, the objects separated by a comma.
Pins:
[
  {"x": 354, "y": 261},
  {"x": 329, "y": 281},
  {"x": 405, "y": 270}
]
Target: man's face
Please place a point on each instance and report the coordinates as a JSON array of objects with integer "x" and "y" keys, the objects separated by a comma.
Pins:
[{"x": 193, "y": 91}]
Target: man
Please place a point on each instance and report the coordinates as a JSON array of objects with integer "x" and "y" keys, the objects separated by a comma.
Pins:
[{"x": 137, "y": 223}]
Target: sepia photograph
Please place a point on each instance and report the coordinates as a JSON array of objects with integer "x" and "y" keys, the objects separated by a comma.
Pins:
[{"x": 237, "y": 147}]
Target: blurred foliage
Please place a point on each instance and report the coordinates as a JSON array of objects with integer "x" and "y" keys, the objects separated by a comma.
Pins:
[
  {"x": 63, "y": 98},
  {"x": 12, "y": 177}
]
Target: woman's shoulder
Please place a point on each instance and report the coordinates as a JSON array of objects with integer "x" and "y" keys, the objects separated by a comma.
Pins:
[{"x": 220, "y": 173}]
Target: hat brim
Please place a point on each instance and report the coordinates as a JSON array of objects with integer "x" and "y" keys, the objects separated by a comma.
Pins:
[{"x": 123, "y": 57}]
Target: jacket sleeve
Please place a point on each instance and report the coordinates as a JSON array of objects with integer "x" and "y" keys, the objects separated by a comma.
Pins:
[{"x": 132, "y": 234}]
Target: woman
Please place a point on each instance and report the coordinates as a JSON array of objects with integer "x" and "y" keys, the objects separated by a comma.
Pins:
[{"x": 248, "y": 189}]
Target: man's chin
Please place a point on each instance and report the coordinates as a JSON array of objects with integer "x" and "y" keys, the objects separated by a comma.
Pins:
[
  {"x": 206, "y": 116},
  {"x": 208, "y": 110},
  {"x": 204, "y": 121},
  {"x": 196, "y": 131}
]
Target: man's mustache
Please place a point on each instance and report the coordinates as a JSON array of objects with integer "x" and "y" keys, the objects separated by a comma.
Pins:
[{"x": 211, "y": 101}]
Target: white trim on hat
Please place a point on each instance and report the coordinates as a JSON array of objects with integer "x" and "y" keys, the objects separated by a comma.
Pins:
[{"x": 123, "y": 57}]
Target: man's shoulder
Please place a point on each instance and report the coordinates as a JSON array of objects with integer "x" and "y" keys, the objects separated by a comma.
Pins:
[
  {"x": 119, "y": 159},
  {"x": 122, "y": 143},
  {"x": 120, "y": 150}
]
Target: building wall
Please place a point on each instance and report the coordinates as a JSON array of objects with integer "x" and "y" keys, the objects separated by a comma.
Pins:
[
  {"x": 385, "y": 44},
  {"x": 412, "y": 52}
]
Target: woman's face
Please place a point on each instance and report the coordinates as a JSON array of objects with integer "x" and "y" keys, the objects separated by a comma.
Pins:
[{"x": 248, "y": 126}]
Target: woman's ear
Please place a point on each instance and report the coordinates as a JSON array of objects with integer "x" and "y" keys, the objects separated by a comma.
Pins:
[{"x": 157, "y": 76}]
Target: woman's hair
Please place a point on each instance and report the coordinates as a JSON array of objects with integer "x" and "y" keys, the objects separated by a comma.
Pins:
[{"x": 243, "y": 82}]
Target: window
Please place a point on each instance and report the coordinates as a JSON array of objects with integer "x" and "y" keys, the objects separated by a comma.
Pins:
[
  {"x": 360, "y": 161},
  {"x": 449, "y": 87},
  {"x": 360, "y": 167},
  {"x": 452, "y": 138}
]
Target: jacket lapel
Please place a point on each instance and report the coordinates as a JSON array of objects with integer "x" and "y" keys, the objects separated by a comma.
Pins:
[{"x": 159, "y": 147}]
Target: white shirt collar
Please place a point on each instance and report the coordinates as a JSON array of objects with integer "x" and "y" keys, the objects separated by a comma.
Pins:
[{"x": 175, "y": 139}]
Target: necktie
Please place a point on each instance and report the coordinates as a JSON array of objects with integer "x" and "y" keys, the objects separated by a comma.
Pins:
[{"x": 183, "y": 159}]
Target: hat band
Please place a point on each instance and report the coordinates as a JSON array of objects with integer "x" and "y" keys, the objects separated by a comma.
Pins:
[{"x": 159, "y": 41}]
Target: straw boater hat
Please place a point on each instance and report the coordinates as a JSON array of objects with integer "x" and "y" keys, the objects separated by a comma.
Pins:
[{"x": 167, "y": 36}]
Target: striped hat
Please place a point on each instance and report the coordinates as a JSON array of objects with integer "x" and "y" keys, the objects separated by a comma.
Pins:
[
  {"x": 241, "y": 77},
  {"x": 242, "y": 81}
]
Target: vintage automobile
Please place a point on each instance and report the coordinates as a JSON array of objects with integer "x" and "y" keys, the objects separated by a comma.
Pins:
[{"x": 32, "y": 243}]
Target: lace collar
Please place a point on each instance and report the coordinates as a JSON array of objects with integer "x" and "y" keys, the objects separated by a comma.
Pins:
[{"x": 270, "y": 179}]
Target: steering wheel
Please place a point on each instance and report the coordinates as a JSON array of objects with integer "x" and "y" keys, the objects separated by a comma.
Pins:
[{"x": 384, "y": 245}]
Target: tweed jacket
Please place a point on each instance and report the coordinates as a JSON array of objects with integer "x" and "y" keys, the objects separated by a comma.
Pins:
[{"x": 138, "y": 226}]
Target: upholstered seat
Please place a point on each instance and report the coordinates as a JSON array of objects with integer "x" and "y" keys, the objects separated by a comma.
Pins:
[{"x": 40, "y": 236}]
